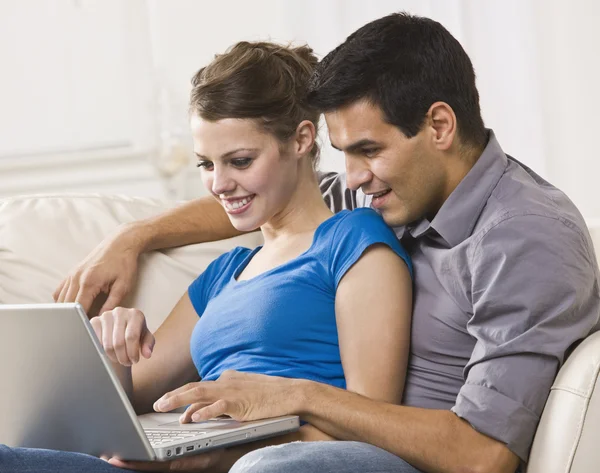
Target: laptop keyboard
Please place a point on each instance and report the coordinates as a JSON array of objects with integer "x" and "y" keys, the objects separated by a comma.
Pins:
[{"x": 160, "y": 437}]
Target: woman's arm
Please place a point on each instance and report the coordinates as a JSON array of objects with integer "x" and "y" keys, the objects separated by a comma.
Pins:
[
  {"x": 373, "y": 307},
  {"x": 170, "y": 365},
  {"x": 148, "y": 365}
]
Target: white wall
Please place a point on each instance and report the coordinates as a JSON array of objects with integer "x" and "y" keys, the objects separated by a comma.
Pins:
[
  {"x": 536, "y": 63},
  {"x": 569, "y": 58}
]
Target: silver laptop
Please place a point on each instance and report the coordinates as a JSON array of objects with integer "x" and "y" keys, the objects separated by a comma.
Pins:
[{"x": 58, "y": 391}]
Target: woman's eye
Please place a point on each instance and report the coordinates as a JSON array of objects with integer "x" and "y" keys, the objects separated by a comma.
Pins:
[
  {"x": 241, "y": 162},
  {"x": 205, "y": 165}
]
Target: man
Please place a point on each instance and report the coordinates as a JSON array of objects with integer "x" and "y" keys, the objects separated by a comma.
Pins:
[{"x": 505, "y": 275}]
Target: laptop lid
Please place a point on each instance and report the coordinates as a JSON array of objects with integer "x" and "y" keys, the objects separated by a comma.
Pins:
[{"x": 59, "y": 392}]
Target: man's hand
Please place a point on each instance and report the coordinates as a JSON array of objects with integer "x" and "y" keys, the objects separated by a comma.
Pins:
[
  {"x": 213, "y": 462},
  {"x": 110, "y": 269},
  {"x": 242, "y": 396}
]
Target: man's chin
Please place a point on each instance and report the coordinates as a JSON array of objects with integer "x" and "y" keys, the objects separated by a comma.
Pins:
[
  {"x": 390, "y": 220},
  {"x": 393, "y": 219}
]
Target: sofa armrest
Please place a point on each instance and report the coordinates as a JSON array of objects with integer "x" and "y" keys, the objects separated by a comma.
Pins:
[{"x": 566, "y": 440}]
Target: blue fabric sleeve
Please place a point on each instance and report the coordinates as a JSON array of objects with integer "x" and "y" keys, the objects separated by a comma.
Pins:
[
  {"x": 357, "y": 231},
  {"x": 215, "y": 277}
]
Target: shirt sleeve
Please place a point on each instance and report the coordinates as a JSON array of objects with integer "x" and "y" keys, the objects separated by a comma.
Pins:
[
  {"x": 535, "y": 294},
  {"x": 337, "y": 195},
  {"x": 356, "y": 232},
  {"x": 215, "y": 276}
]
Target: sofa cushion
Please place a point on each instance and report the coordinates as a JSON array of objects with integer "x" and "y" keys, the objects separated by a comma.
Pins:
[{"x": 43, "y": 236}]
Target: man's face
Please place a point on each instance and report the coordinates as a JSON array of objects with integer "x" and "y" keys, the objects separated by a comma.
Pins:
[{"x": 404, "y": 175}]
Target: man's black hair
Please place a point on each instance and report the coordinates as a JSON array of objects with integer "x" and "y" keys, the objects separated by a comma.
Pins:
[{"x": 403, "y": 64}]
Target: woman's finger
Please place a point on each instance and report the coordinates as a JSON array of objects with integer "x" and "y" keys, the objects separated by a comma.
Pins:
[
  {"x": 133, "y": 333},
  {"x": 107, "y": 336},
  {"x": 96, "y": 324},
  {"x": 194, "y": 463},
  {"x": 148, "y": 342},
  {"x": 119, "y": 343}
]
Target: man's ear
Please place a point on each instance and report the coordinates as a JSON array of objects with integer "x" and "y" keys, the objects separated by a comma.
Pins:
[
  {"x": 442, "y": 122},
  {"x": 304, "y": 140}
]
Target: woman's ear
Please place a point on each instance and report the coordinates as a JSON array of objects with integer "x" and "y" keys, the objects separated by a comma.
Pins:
[{"x": 305, "y": 137}]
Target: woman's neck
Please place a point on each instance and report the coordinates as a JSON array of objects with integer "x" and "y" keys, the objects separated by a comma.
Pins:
[{"x": 305, "y": 211}]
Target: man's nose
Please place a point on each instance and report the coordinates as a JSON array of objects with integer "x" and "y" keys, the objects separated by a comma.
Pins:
[{"x": 357, "y": 174}]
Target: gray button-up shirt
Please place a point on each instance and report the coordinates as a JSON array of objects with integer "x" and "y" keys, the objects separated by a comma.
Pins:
[{"x": 505, "y": 283}]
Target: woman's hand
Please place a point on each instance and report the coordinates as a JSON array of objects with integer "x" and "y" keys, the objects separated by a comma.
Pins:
[
  {"x": 210, "y": 461},
  {"x": 124, "y": 335}
]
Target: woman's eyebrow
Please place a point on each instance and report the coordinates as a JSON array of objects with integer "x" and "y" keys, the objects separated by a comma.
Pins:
[{"x": 229, "y": 153}]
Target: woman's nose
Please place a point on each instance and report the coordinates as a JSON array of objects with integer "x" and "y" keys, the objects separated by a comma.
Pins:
[{"x": 222, "y": 182}]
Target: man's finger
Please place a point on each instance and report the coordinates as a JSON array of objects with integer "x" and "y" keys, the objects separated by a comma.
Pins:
[
  {"x": 187, "y": 415},
  {"x": 86, "y": 296},
  {"x": 63, "y": 291},
  {"x": 73, "y": 290},
  {"x": 115, "y": 296},
  {"x": 58, "y": 290},
  {"x": 187, "y": 394},
  {"x": 219, "y": 408}
]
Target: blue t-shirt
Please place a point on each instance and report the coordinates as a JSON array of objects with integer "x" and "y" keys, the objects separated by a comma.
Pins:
[{"x": 282, "y": 322}]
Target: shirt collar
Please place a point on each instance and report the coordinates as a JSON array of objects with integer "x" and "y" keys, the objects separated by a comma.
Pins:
[{"x": 456, "y": 219}]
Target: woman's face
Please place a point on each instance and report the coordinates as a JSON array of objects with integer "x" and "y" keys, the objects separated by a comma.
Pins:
[{"x": 242, "y": 166}]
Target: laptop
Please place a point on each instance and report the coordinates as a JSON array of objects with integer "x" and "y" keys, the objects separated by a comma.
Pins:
[{"x": 58, "y": 391}]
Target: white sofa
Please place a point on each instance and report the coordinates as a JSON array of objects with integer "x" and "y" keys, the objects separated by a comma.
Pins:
[{"x": 42, "y": 237}]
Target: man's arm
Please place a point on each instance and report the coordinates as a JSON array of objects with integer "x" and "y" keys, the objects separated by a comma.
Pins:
[
  {"x": 434, "y": 441},
  {"x": 430, "y": 440},
  {"x": 111, "y": 267},
  {"x": 534, "y": 287},
  {"x": 197, "y": 221}
]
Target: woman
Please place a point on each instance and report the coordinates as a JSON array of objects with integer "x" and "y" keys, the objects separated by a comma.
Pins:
[{"x": 327, "y": 297}]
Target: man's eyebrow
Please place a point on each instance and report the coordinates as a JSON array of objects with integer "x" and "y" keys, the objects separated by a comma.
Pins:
[
  {"x": 229, "y": 153},
  {"x": 354, "y": 147}
]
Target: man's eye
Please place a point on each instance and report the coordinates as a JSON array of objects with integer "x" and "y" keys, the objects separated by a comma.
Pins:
[
  {"x": 370, "y": 151},
  {"x": 241, "y": 162},
  {"x": 205, "y": 165}
]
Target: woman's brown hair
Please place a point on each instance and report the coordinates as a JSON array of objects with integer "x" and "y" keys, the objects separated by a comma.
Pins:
[{"x": 259, "y": 80}]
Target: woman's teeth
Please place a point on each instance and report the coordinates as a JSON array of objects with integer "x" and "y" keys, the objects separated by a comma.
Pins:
[{"x": 237, "y": 204}]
